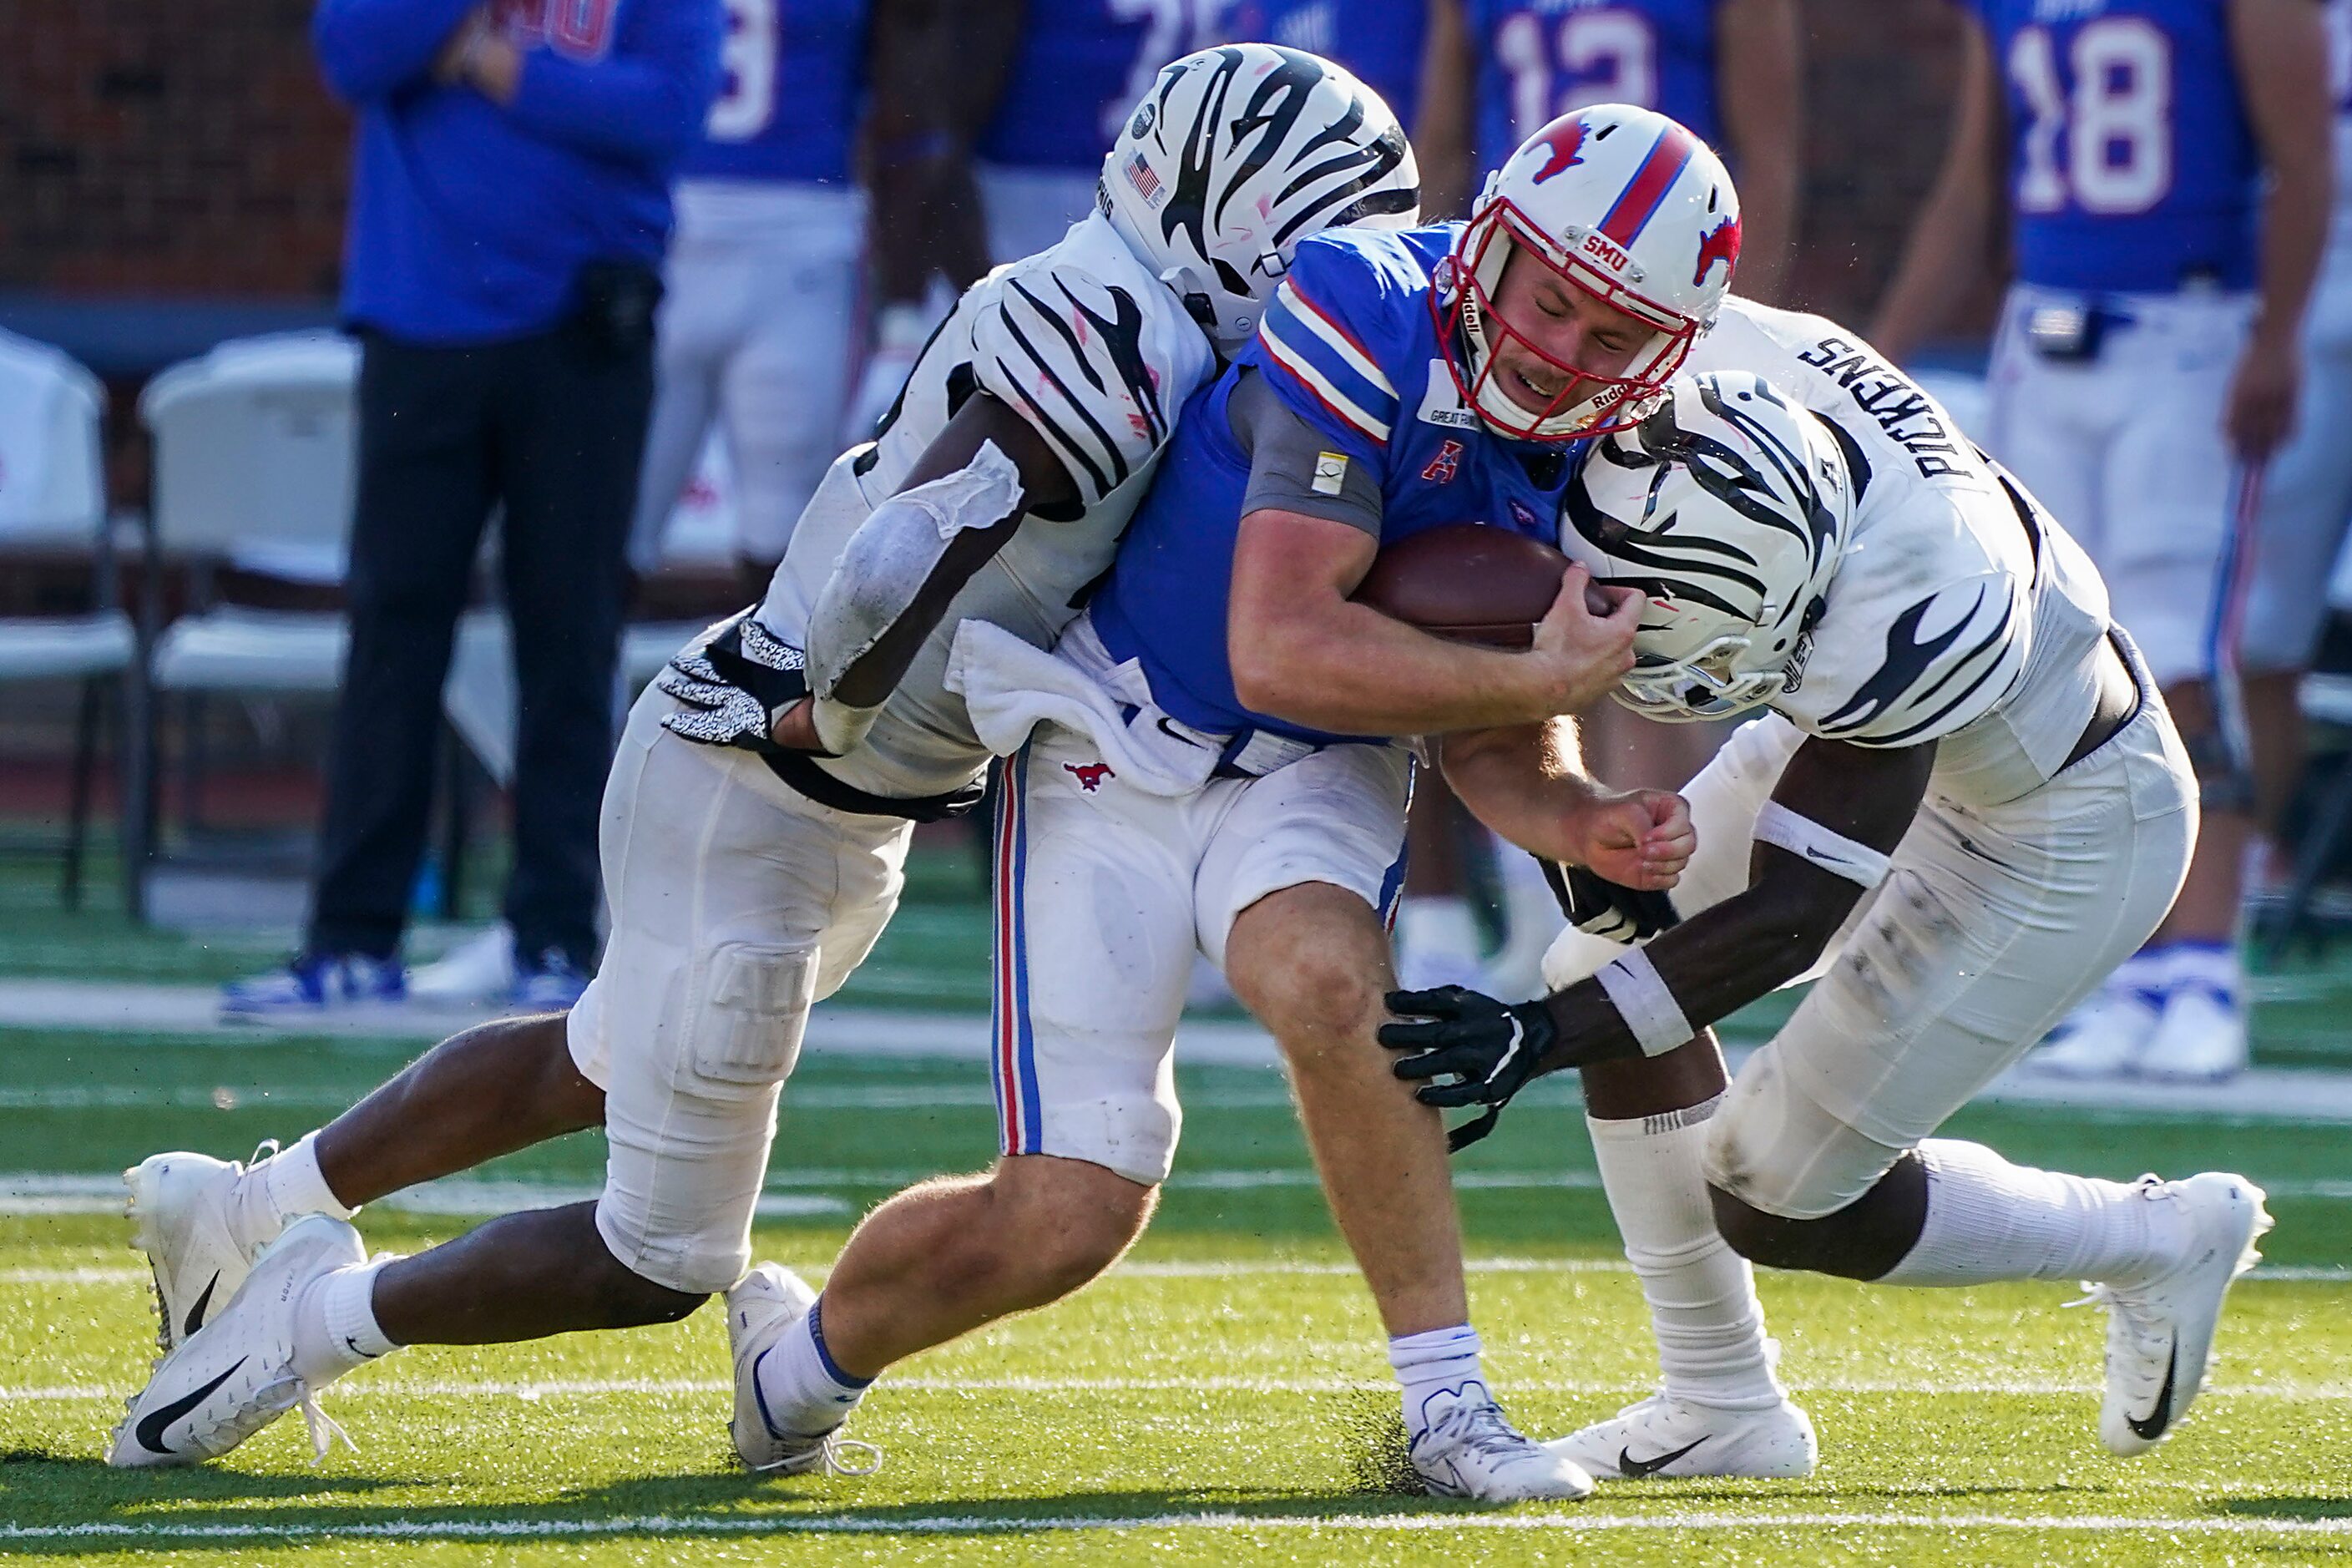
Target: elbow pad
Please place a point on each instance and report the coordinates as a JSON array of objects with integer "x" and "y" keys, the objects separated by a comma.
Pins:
[{"x": 887, "y": 563}]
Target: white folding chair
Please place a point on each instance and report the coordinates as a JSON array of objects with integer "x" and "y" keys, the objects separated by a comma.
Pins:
[
  {"x": 255, "y": 465},
  {"x": 53, "y": 500}
]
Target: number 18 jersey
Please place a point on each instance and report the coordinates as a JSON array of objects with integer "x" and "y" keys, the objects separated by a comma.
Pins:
[{"x": 2132, "y": 168}]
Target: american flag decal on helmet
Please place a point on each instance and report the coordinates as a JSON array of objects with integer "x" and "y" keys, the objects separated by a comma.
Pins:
[{"x": 1146, "y": 183}]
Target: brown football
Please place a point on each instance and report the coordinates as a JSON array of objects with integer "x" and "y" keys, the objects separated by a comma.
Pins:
[{"x": 1467, "y": 583}]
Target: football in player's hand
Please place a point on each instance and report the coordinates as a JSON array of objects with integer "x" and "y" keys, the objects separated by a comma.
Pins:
[{"x": 1469, "y": 583}]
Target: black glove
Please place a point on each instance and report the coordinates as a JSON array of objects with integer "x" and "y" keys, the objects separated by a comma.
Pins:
[
  {"x": 734, "y": 679},
  {"x": 1607, "y": 909},
  {"x": 1488, "y": 1048}
]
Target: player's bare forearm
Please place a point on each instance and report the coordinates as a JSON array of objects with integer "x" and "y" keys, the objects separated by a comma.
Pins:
[
  {"x": 1301, "y": 651},
  {"x": 1524, "y": 783},
  {"x": 2281, "y": 66},
  {"x": 1762, "y": 89},
  {"x": 1723, "y": 958},
  {"x": 1951, "y": 244}
]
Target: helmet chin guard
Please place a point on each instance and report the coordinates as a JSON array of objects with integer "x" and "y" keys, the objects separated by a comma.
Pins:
[{"x": 1627, "y": 207}]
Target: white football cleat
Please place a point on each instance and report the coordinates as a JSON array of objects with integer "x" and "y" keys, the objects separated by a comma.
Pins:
[
  {"x": 1470, "y": 1449},
  {"x": 236, "y": 1375},
  {"x": 2200, "y": 1038},
  {"x": 1662, "y": 1435},
  {"x": 2160, "y": 1334},
  {"x": 2101, "y": 1039},
  {"x": 187, "y": 1219},
  {"x": 760, "y": 1307}
]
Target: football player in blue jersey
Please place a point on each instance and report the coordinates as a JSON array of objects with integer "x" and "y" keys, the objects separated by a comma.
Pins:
[
  {"x": 1496, "y": 71},
  {"x": 1379, "y": 41},
  {"x": 1076, "y": 67},
  {"x": 755, "y": 331},
  {"x": 1208, "y": 760},
  {"x": 2306, "y": 492},
  {"x": 2164, "y": 168}
]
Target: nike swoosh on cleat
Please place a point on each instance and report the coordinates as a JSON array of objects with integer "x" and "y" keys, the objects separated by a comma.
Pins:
[
  {"x": 150, "y": 1428},
  {"x": 196, "y": 1313},
  {"x": 1636, "y": 1470},
  {"x": 2151, "y": 1425}
]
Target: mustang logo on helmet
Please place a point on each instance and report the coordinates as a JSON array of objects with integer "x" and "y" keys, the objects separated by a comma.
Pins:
[
  {"x": 1720, "y": 243},
  {"x": 1566, "y": 140}
]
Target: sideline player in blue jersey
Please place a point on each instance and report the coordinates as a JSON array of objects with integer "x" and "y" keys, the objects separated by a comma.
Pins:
[
  {"x": 2306, "y": 492},
  {"x": 1496, "y": 71},
  {"x": 1379, "y": 41},
  {"x": 2145, "y": 368},
  {"x": 1077, "y": 67},
  {"x": 1210, "y": 758}
]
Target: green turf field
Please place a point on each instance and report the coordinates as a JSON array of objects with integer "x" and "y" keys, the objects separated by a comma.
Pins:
[{"x": 1218, "y": 1398}]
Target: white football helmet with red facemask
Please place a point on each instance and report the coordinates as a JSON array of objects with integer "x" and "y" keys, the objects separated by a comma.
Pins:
[{"x": 1624, "y": 205}]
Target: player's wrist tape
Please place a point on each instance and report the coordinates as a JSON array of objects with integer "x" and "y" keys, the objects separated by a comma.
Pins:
[
  {"x": 1833, "y": 852},
  {"x": 840, "y": 727},
  {"x": 1643, "y": 1000}
]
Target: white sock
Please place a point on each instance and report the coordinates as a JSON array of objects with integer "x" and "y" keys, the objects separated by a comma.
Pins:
[
  {"x": 334, "y": 1323},
  {"x": 1702, "y": 1295},
  {"x": 801, "y": 1389},
  {"x": 1439, "y": 1361},
  {"x": 1988, "y": 1219},
  {"x": 287, "y": 1185}
]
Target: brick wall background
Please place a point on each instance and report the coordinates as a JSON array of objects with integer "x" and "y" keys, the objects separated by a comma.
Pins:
[{"x": 186, "y": 147}]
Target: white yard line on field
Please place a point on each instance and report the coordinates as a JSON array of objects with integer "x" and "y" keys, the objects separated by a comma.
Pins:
[
  {"x": 974, "y": 1523},
  {"x": 662, "y": 1388}
]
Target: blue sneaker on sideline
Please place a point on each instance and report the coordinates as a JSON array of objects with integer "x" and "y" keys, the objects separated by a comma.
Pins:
[
  {"x": 551, "y": 983},
  {"x": 314, "y": 982}
]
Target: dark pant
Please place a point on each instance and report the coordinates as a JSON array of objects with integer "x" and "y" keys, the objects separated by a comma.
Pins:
[{"x": 552, "y": 426}]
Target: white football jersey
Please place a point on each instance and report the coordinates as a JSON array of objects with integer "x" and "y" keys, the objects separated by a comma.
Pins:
[
  {"x": 1960, "y": 612},
  {"x": 1098, "y": 356}
]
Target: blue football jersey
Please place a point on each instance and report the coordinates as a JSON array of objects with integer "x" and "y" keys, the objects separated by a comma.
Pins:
[
  {"x": 1540, "y": 58},
  {"x": 1379, "y": 41},
  {"x": 792, "y": 75},
  {"x": 1080, "y": 66},
  {"x": 2132, "y": 168},
  {"x": 1349, "y": 344}
]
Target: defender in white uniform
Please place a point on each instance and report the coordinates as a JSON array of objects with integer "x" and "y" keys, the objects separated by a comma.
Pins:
[
  {"x": 1966, "y": 804},
  {"x": 746, "y": 878}
]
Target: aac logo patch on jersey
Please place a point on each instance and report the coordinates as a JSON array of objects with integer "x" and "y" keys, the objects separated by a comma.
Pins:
[
  {"x": 1445, "y": 465},
  {"x": 1441, "y": 404},
  {"x": 1330, "y": 473}
]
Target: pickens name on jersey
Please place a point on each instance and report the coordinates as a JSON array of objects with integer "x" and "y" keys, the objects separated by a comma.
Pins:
[
  {"x": 1909, "y": 416},
  {"x": 1960, "y": 613}
]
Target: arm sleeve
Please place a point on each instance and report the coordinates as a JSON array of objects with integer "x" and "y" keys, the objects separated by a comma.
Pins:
[
  {"x": 1293, "y": 466},
  {"x": 1098, "y": 362},
  {"x": 645, "y": 101},
  {"x": 366, "y": 48}
]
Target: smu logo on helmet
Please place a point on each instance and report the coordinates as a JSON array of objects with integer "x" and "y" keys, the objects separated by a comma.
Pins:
[
  {"x": 1566, "y": 139},
  {"x": 1720, "y": 243}
]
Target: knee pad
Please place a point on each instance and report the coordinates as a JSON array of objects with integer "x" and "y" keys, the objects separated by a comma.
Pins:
[{"x": 1773, "y": 1148}]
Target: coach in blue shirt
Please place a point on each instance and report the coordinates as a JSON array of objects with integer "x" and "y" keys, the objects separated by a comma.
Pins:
[{"x": 510, "y": 208}]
